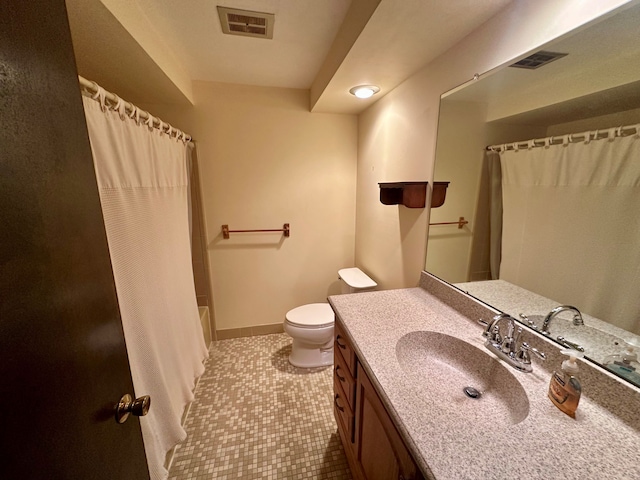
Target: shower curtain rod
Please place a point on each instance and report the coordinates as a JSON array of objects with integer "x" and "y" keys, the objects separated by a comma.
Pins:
[
  {"x": 92, "y": 88},
  {"x": 586, "y": 137}
]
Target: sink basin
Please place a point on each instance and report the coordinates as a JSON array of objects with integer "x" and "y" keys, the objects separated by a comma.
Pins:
[{"x": 441, "y": 366}]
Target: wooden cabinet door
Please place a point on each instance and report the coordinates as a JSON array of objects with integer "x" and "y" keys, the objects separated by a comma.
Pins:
[
  {"x": 381, "y": 453},
  {"x": 63, "y": 361}
]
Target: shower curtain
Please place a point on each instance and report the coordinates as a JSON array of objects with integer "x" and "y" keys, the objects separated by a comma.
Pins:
[
  {"x": 143, "y": 182},
  {"x": 571, "y": 229}
]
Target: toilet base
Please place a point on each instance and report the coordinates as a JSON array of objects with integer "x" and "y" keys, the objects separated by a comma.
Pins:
[{"x": 310, "y": 356}]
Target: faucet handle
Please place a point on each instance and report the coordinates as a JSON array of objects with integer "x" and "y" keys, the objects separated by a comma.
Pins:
[
  {"x": 538, "y": 353},
  {"x": 523, "y": 354}
]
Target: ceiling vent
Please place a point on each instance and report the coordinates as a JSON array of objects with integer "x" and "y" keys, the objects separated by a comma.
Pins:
[
  {"x": 538, "y": 60},
  {"x": 245, "y": 23}
]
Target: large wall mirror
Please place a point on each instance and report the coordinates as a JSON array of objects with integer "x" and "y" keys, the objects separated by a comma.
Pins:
[{"x": 553, "y": 207}]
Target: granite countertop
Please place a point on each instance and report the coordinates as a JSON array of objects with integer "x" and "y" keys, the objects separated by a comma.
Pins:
[{"x": 601, "y": 442}]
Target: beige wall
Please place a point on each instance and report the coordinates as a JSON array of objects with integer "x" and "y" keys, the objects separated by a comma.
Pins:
[
  {"x": 397, "y": 134},
  {"x": 265, "y": 160},
  {"x": 627, "y": 117}
]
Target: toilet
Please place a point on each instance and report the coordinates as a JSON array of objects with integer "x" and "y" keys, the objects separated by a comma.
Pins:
[{"x": 311, "y": 325}]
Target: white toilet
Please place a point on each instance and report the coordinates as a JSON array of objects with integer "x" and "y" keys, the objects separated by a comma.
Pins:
[{"x": 311, "y": 325}]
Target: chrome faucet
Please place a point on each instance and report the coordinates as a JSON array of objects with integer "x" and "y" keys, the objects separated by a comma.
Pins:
[
  {"x": 506, "y": 347},
  {"x": 577, "y": 317},
  {"x": 492, "y": 332}
]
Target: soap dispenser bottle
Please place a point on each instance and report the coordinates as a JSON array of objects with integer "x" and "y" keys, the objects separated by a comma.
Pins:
[{"x": 564, "y": 387}]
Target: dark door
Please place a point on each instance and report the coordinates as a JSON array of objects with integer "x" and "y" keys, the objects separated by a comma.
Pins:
[{"x": 63, "y": 362}]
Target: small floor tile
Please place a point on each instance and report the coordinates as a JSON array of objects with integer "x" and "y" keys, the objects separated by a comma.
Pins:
[{"x": 255, "y": 416}]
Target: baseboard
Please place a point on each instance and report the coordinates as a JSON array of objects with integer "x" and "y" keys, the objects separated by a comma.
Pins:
[{"x": 249, "y": 331}]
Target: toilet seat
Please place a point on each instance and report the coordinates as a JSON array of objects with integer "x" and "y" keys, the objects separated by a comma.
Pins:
[{"x": 312, "y": 315}]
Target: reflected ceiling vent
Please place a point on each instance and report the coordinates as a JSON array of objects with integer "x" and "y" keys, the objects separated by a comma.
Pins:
[
  {"x": 538, "y": 60},
  {"x": 245, "y": 23}
]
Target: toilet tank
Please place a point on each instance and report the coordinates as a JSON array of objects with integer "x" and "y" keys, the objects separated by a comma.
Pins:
[{"x": 354, "y": 280}]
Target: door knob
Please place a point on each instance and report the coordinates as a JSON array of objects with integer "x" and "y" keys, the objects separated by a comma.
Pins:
[{"x": 127, "y": 405}]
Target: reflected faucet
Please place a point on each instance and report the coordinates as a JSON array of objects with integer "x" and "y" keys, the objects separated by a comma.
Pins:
[{"x": 577, "y": 317}]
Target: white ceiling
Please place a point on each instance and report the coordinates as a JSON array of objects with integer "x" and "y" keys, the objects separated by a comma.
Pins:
[
  {"x": 185, "y": 41},
  {"x": 401, "y": 37},
  {"x": 303, "y": 33}
]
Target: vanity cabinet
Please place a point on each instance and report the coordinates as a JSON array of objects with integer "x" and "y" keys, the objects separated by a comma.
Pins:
[
  {"x": 373, "y": 446},
  {"x": 344, "y": 391}
]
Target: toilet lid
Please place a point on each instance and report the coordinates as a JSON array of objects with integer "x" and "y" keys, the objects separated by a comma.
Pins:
[
  {"x": 356, "y": 278},
  {"x": 311, "y": 315}
]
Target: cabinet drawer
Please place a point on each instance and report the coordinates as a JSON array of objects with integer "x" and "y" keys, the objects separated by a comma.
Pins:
[
  {"x": 342, "y": 376},
  {"x": 343, "y": 413},
  {"x": 343, "y": 346}
]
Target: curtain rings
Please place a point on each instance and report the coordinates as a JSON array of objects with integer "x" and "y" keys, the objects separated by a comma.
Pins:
[
  {"x": 167, "y": 128},
  {"x": 135, "y": 114},
  {"x": 120, "y": 107},
  {"x": 100, "y": 95},
  {"x": 150, "y": 121}
]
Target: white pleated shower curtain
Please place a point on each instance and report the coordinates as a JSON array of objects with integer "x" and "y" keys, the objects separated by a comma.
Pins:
[
  {"x": 143, "y": 182},
  {"x": 571, "y": 225}
]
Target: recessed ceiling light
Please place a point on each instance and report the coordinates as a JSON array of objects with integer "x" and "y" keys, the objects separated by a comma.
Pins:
[{"x": 364, "y": 91}]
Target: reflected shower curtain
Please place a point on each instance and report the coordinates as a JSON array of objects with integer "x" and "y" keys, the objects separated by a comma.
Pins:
[
  {"x": 143, "y": 183},
  {"x": 495, "y": 213},
  {"x": 486, "y": 241},
  {"x": 571, "y": 228}
]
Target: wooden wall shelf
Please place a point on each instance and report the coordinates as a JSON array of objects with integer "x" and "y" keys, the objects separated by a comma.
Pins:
[
  {"x": 409, "y": 194},
  {"x": 439, "y": 193},
  {"x": 412, "y": 194}
]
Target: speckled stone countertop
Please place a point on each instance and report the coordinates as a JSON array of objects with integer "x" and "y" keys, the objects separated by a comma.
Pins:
[{"x": 448, "y": 441}]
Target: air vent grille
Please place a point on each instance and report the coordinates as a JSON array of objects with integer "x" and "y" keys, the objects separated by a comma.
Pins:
[
  {"x": 538, "y": 60},
  {"x": 248, "y": 24}
]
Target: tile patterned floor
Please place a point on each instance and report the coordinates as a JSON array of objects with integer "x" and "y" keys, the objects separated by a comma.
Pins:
[{"x": 257, "y": 417}]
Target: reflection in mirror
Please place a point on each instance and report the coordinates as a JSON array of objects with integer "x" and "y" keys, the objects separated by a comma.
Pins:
[{"x": 552, "y": 221}]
